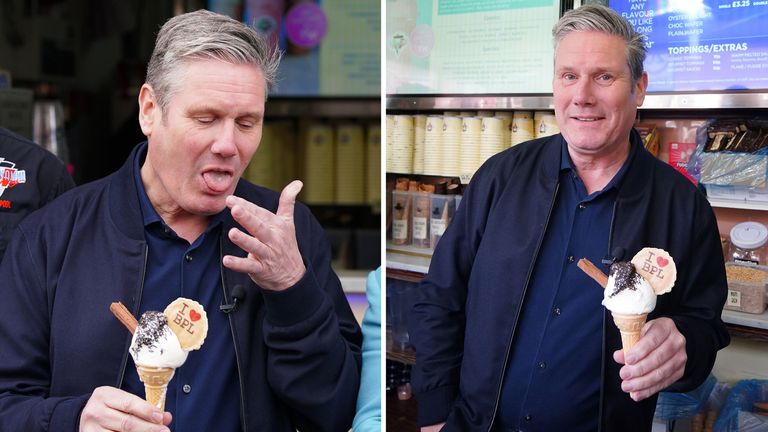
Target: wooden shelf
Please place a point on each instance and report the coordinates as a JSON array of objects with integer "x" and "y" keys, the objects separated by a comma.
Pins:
[
  {"x": 405, "y": 275},
  {"x": 407, "y": 357}
]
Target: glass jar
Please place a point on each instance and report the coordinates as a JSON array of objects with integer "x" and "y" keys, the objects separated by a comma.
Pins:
[{"x": 748, "y": 243}]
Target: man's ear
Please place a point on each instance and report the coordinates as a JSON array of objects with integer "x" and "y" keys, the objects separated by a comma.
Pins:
[
  {"x": 640, "y": 89},
  {"x": 149, "y": 110}
]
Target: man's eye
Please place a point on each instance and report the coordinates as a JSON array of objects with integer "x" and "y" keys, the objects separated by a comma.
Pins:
[
  {"x": 605, "y": 78},
  {"x": 245, "y": 124},
  {"x": 569, "y": 77},
  {"x": 204, "y": 120}
]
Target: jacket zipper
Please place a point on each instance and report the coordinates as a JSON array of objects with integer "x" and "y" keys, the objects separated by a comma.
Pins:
[
  {"x": 234, "y": 340},
  {"x": 135, "y": 309},
  {"x": 602, "y": 354},
  {"x": 525, "y": 289}
]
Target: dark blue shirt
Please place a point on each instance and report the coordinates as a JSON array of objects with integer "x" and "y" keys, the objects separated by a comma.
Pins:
[
  {"x": 552, "y": 381},
  {"x": 204, "y": 394}
]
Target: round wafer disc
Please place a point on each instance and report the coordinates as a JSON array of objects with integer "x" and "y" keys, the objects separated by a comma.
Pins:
[
  {"x": 657, "y": 267},
  {"x": 188, "y": 320}
]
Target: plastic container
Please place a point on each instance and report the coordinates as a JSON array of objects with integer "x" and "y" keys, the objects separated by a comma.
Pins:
[
  {"x": 421, "y": 219},
  {"x": 442, "y": 209},
  {"x": 736, "y": 416},
  {"x": 401, "y": 297},
  {"x": 402, "y": 208},
  {"x": 748, "y": 243},
  {"x": 746, "y": 288}
]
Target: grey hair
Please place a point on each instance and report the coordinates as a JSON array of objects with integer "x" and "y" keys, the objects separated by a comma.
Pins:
[
  {"x": 206, "y": 35},
  {"x": 605, "y": 20}
]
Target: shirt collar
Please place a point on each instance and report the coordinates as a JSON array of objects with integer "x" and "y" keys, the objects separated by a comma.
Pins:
[{"x": 566, "y": 165}]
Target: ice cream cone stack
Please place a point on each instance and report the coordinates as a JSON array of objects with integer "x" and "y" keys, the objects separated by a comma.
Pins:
[
  {"x": 155, "y": 381},
  {"x": 629, "y": 326}
]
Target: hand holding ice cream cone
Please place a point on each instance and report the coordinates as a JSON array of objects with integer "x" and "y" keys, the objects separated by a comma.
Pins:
[
  {"x": 631, "y": 289},
  {"x": 630, "y": 294},
  {"x": 161, "y": 342}
]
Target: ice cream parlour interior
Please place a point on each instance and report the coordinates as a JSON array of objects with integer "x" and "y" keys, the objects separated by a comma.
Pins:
[{"x": 706, "y": 116}]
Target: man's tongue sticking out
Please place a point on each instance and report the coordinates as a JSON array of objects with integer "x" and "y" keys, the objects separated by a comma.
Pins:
[{"x": 217, "y": 181}]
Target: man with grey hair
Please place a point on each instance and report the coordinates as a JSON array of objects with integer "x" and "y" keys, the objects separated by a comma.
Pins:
[
  {"x": 509, "y": 333},
  {"x": 283, "y": 348}
]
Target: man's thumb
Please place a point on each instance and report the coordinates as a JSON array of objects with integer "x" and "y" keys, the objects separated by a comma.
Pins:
[{"x": 288, "y": 198}]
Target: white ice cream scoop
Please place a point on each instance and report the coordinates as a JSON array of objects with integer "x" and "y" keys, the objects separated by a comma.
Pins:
[
  {"x": 155, "y": 344},
  {"x": 627, "y": 292}
]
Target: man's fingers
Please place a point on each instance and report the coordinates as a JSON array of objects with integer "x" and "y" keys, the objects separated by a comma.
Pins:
[
  {"x": 288, "y": 199},
  {"x": 252, "y": 244},
  {"x": 274, "y": 261},
  {"x": 110, "y": 408},
  {"x": 135, "y": 406},
  {"x": 247, "y": 208},
  {"x": 657, "y": 360},
  {"x": 663, "y": 380},
  {"x": 248, "y": 266}
]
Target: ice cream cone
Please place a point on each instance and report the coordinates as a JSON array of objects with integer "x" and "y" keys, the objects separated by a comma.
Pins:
[
  {"x": 155, "y": 381},
  {"x": 629, "y": 326}
]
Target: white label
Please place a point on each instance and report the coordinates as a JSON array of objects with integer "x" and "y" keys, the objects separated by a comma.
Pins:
[
  {"x": 745, "y": 261},
  {"x": 420, "y": 228},
  {"x": 734, "y": 299},
  {"x": 399, "y": 229},
  {"x": 438, "y": 227}
]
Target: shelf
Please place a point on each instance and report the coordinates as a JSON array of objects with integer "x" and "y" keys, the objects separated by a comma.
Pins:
[
  {"x": 353, "y": 281},
  {"x": 326, "y": 108},
  {"x": 546, "y": 101},
  {"x": 408, "y": 258},
  {"x": 406, "y": 357},
  {"x": 470, "y": 102},
  {"x": 746, "y": 319},
  {"x": 738, "y": 204}
]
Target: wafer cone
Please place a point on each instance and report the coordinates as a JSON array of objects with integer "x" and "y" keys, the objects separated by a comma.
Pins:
[
  {"x": 629, "y": 326},
  {"x": 155, "y": 381}
]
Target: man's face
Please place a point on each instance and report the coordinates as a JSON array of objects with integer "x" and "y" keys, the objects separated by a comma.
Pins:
[
  {"x": 595, "y": 100},
  {"x": 202, "y": 144}
]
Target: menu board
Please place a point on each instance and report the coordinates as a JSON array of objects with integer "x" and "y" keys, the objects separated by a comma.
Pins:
[
  {"x": 470, "y": 47},
  {"x": 703, "y": 45}
]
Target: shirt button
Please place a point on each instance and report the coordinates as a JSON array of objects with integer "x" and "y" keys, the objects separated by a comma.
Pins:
[
  {"x": 528, "y": 417},
  {"x": 542, "y": 365},
  {"x": 187, "y": 389},
  {"x": 188, "y": 258},
  {"x": 556, "y": 311},
  {"x": 570, "y": 259}
]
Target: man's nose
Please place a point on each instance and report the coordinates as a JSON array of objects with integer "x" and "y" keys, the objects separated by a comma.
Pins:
[
  {"x": 225, "y": 142},
  {"x": 584, "y": 93}
]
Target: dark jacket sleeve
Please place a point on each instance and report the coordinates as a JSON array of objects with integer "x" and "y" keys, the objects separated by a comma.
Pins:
[
  {"x": 313, "y": 338},
  {"x": 703, "y": 297},
  {"x": 25, "y": 374},
  {"x": 436, "y": 324}
]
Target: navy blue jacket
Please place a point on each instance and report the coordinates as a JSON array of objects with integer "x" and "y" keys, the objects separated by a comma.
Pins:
[
  {"x": 463, "y": 323},
  {"x": 297, "y": 351}
]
